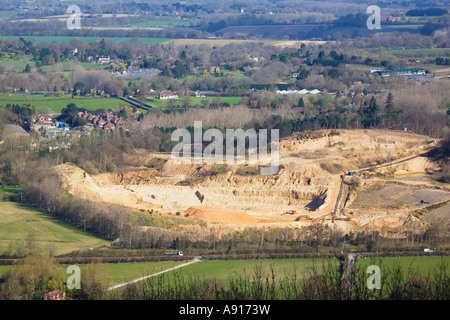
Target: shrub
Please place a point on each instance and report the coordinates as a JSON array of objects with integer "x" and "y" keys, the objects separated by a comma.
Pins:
[
  {"x": 111, "y": 166},
  {"x": 248, "y": 171},
  {"x": 218, "y": 169},
  {"x": 89, "y": 167}
]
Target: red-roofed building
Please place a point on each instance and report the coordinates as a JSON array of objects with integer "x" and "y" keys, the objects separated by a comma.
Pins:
[
  {"x": 120, "y": 123},
  {"x": 84, "y": 115},
  {"x": 167, "y": 94},
  {"x": 109, "y": 126},
  {"x": 299, "y": 109},
  {"x": 45, "y": 118},
  {"x": 107, "y": 116},
  {"x": 100, "y": 122},
  {"x": 55, "y": 295}
]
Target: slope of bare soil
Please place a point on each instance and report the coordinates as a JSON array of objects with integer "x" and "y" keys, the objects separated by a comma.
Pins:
[{"x": 308, "y": 182}]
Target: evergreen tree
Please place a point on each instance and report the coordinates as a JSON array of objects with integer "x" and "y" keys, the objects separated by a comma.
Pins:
[
  {"x": 370, "y": 114},
  {"x": 27, "y": 68},
  {"x": 301, "y": 103},
  {"x": 390, "y": 103},
  {"x": 389, "y": 108}
]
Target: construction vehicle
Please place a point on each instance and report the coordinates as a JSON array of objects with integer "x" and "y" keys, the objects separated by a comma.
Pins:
[
  {"x": 179, "y": 253},
  {"x": 291, "y": 212},
  {"x": 303, "y": 217}
]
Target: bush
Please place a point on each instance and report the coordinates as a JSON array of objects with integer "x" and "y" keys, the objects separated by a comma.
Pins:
[
  {"x": 110, "y": 166},
  {"x": 89, "y": 167},
  {"x": 218, "y": 169},
  {"x": 333, "y": 168},
  {"x": 248, "y": 171}
]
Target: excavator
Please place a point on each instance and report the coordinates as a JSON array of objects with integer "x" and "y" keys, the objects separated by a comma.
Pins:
[{"x": 291, "y": 212}]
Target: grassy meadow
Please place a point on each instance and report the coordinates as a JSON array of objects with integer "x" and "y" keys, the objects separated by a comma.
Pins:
[
  {"x": 39, "y": 39},
  {"x": 55, "y": 104},
  {"x": 195, "y": 101},
  {"x": 17, "y": 221},
  {"x": 224, "y": 270}
]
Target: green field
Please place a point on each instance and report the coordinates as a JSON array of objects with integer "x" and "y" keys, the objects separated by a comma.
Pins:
[
  {"x": 194, "y": 101},
  {"x": 4, "y": 269},
  {"x": 56, "y": 104},
  {"x": 9, "y": 190},
  {"x": 423, "y": 265},
  {"x": 17, "y": 63},
  {"x": 152, "y": 24},
  {"x": 7, "y": 14},
  {"x": 226, "y": 269},
  {"x": 39, "y": 39},
  {"x": 17, "y": 221},
  {"x": 123, "y": 272},
  {"x": 223, "y": 270},
  {"x": 420, "y": 51}
]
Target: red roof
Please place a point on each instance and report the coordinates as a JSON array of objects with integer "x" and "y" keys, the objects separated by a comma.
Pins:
[
  {"x": 166, "y": 93},
  {"x": 55, "y": 295}
]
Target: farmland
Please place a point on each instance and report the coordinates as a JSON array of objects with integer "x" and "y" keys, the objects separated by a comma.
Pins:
[
  {"x": 9, "y": 190},
  {"x": 149, "y": 24},
  {"x": 196, "y": 101},
  {"x": 224, "y": 270},
  {"x": 17, "y": 221},
  {"x": 39, "y": 39},
  {"x": 275, "y": 279},
  {"x": 18, "y": 63},
  {"x": 56, "y": 104}
]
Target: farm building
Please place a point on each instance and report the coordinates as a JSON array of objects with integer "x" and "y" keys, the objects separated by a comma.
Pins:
[
  {"x": 167, "y": 94},
  {"x": 302, "y": 92},
  {"x": 400, "y": 71}
]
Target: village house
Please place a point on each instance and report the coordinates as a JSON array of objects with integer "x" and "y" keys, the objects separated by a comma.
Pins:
[
  {"x": 43, "y": 118},
  {"x": 100, "y": 122},
  {"x": 390, "y": 19},
  {"x": 299, "y": 110},
  {"x": 167, "y": 94},
  {"x": 109, "y": 126},
  {"x": 214, "y": 69},
  {"x": 55, "y": 295},
  {"x": 120, "y": 123},
  {"x": 104, "y": 60},
  {"x": 107, "y": 116}
]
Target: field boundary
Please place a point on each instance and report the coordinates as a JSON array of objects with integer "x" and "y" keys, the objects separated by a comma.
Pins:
[{"x": 266, "y": 256}]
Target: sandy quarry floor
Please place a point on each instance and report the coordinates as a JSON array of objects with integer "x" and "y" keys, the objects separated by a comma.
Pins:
[{"x": 308, "y": 182}]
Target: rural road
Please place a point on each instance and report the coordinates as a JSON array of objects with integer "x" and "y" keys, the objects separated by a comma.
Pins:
[{"x": 152, "y": 275}]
